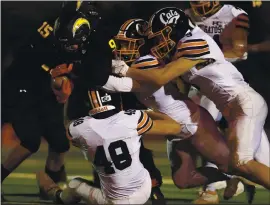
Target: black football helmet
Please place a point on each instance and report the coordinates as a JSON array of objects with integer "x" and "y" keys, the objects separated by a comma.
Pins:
[
  {"x": 130, "y": 39},
  {"x": 102, "y": 103},
  {"x": 74, "y": 26},
  {"x": 165, "y": 28},
  {"x": 205, "y": 8}
]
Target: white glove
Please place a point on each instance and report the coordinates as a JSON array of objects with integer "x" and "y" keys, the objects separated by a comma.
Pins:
[
  {"x": 234, "y": 60},
  {"x": 119, "y": 67}
]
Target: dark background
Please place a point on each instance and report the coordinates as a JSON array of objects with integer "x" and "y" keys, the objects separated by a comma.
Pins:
[{"x": 20, "y": 19}]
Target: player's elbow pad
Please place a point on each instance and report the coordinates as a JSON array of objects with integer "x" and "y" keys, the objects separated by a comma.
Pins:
[{"x": 118, "y": 84}]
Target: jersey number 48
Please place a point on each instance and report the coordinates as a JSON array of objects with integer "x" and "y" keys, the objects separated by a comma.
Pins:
[{"x": 120, "y": 156}]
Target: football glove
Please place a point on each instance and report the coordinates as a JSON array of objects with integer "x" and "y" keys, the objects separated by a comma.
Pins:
[
  {"x": 119, "y": 67},
  {"x": 61, "y": 70}
]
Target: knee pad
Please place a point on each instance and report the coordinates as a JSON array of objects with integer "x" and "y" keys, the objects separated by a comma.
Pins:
[{"x": 32, "y": 145}]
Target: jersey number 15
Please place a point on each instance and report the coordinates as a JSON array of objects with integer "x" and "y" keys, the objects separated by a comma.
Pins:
[{"x": 45, "y": 30}]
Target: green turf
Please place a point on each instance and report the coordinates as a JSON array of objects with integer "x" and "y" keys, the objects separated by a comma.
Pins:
[{"x": 24, "y": 189}]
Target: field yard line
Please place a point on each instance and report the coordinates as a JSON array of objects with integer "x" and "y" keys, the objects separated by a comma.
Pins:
[{"x": 166, "y": 181}]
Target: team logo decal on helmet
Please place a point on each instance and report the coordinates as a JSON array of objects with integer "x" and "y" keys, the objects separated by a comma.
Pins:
[
  {"x": 166, "y": 27},
  {"x": 101, "y": 101},
  {"x": 169, "y": 18},
  {"x": 78, "y": 23}
]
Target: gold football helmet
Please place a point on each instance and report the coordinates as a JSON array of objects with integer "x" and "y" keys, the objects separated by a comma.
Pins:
[{"x": 205, "y": 8}]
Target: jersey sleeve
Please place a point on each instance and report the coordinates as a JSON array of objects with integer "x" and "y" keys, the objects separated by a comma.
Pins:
[
  {"x": 118, "y": 84},
  {"x": 145, "y": 123},
  {"x": 78, "y": 128},
  {"x": 193, "y": 49},
  {"x": 241, "y": 18},
  {"x": 146, "y": 62}
]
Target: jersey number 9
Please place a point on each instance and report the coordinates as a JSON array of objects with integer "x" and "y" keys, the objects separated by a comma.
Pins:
[{"x": 112, "y": 44}]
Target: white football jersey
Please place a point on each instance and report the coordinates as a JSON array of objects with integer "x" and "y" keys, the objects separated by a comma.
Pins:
[
  {"x": 215, "y": 24},
  {"x": 112, "y": 145},
  {"x": 166, "y": 99},
  {"x": 218, "y": 79}
]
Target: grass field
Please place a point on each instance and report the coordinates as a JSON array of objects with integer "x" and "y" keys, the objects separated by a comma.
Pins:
[{"x": 20, "y": 187}]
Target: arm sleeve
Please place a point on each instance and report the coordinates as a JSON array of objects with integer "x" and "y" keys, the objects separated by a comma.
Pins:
[
  {"x": 79, "y": 128},
  {"x": 193, "y": 49},
  {"x": 118, "y": 84},
  {"x": 145, "y": 123}
]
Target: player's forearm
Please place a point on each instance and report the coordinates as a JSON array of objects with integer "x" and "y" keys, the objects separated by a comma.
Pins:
[
  {"x": 164, "y": 128},
  {"x": 259, "y": 47},
  {"x": 153, "y": 76}
]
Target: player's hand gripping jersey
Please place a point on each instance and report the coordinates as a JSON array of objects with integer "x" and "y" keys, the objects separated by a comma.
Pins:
[{"x": 112, "y": 145}]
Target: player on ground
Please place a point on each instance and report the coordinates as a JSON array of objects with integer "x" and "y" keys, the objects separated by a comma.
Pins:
[
  {"x": 199, "y": 132},
  {"x": 217, "y": 20},
  {"x": 89, "y": 72},
  {"x": 110, "y": 140},
  {"x": 190, "y": 52}
]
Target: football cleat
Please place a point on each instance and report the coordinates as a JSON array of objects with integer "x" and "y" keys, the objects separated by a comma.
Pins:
[
  {"x": 250, "y": 193},
  {"x": 231, "y": 188},
  {"x": 207, "y": 197},
  {"x": 47, "y": 186},
  {"x": 157, "y": 197}
]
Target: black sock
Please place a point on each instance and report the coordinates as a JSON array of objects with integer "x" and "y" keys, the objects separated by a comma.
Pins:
[
  {"x": 212, "y": 174},
  {"x": 4, "y": 173},
  {"x": 58, "y": 175}
]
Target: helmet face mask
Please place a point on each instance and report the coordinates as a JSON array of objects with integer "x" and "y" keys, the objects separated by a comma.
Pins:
[
  {"x": 205, "y": 8},
  {"x": 127, "y": 49},
  {"x": 130, "y": 39},
  {"x": 163, "y": 43}
]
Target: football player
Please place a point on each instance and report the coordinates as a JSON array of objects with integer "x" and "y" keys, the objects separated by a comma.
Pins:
[
  {"x": 199, "y": 127},
  {"x": 110, "y": 140},
  {"x": 91, "y": 70},
  {"x": 31, "y": 106},
  {"x": 188, "y": 51},
  {"x": 220, "y": 22}
]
